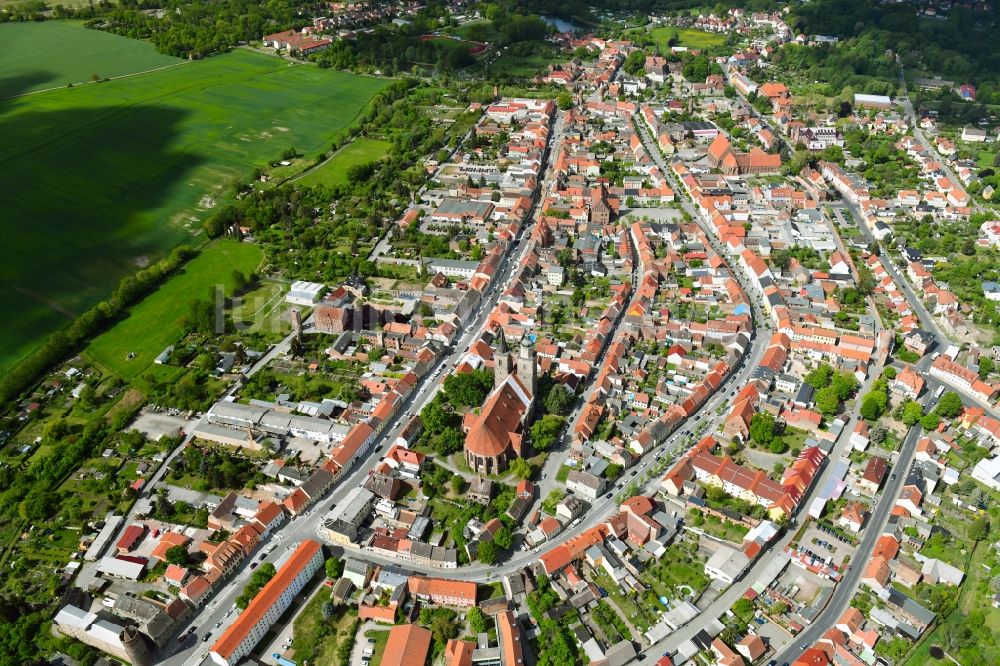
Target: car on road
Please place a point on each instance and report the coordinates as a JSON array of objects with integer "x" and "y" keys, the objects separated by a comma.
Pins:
[
  {"x": 253, "y": 565},
  {"x": 204, "y": 639},
  {"x": 218, "y": 624},
  {"x": 634, "y": 472}
]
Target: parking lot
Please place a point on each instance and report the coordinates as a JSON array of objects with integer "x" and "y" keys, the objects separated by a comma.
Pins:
[
  {"x": 365, "y": 646},
  {"x": 825, "y": 544},
  {"x": 157, "y": 424}
]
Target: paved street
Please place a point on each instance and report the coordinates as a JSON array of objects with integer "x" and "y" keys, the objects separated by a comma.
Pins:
[
  {"x": 846, "y": 588},
  {"x": 305, "y": 526}
]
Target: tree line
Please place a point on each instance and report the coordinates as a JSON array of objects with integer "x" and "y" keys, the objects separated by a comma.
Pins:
[{"x": 961, "y": 45}]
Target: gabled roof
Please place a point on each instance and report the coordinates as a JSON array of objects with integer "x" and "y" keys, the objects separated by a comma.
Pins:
[
  {"x": 489, "y": 435},
  {"x": 442, "y": 587},
  {"x": 408, "y": 645}
]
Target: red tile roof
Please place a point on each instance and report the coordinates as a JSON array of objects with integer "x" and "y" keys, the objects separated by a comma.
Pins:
[
  {"x": 131, "y": 536},
  {"x": 408, "y": 645},
  {"x": 236, "y": 633},
  {"x": 458, "y": 653}
]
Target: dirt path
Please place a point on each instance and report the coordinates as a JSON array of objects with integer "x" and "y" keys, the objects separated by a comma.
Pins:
[{"x": 110, "y": 78}]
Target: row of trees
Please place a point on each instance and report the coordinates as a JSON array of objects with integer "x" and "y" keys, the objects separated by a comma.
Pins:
[
  {"x": 264, "y": 573},
  {"x": 191, "y": 29}
]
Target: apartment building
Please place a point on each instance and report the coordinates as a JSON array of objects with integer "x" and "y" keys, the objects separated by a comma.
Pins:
[{"x": 269, "y": 604}]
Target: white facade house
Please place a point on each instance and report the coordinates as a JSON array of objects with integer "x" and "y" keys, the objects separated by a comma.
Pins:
[{"x": 987, "y": 471}]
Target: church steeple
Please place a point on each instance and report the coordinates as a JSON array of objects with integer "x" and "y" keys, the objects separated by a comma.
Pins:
[
  {"x": 503, "y": 363},
  {"x": 501, "y": 342},
  {"x": 527, "y": 368}
]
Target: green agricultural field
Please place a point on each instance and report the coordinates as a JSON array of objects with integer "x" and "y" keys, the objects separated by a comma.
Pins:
[
  {"x": 689, "y": 37},
  {"x": 334, "y": 172},
  {"x": 71, "y": 54},
  {"x": 156, "y": 321},
  {"x": 101, "y": 179}
]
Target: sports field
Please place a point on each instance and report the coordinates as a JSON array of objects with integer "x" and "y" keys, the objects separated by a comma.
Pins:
[
  {"x": 101, "y": 179},
  {"x": 334, "y": 172},
  {"x": 52, "y": 54},
  {"x": 156, "y": 321}
]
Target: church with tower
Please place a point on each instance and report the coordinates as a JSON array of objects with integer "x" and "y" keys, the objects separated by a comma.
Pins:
[{"x": 494, "y": 437}]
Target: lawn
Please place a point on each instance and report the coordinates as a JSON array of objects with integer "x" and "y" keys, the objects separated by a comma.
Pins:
[
  {"x": 71, "y": 54},
  {"x": 479, "y": 31},
  {"x": 522, "y": 66},
  {"x": 334, "y": 172},
  {"x": 448, "y": 42},
  {"x": 640, "y": 616},
  {"x": 264, "y": 310},
  {"x": 155, "y": 323},
  {"x": 689, "y": 37},
  {"x": 677, "y": 567},
  {"x": 723, "y": 529},
  {"x": 104, "y": 178},
  {"x": 317, "y": 639}
]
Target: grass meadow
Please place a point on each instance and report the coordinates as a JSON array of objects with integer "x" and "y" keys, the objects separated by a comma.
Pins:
[
  {"x": 334, "y": 172},
  {"x": 103, "y": 178},
  {"x": 689, "y": 37},
  {"x": 156, "y": 322}
]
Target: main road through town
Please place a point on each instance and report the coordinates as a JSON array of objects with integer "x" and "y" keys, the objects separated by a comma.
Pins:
[{"x": 218, "y": 613}]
